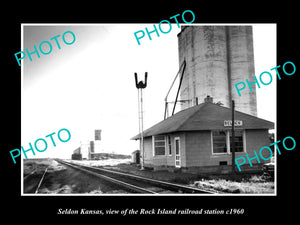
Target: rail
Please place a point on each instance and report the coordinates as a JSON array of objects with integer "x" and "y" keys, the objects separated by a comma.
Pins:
[
  {"x": 114, "y": 176},
  {"x": 110, "y": 179}
]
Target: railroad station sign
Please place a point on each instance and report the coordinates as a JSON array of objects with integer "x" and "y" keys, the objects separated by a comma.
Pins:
[{"x": 237, "y": 123}]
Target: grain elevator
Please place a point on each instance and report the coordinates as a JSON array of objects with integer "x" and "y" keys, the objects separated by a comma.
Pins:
[{"x": 217, "y": 57}]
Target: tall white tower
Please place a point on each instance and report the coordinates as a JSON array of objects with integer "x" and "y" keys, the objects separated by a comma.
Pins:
[{"x": 217, "y": 57}]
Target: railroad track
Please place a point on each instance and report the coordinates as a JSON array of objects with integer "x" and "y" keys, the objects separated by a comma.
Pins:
[
  {"x": 37, "y": 180},
  {"x": 134, "y": 183}
]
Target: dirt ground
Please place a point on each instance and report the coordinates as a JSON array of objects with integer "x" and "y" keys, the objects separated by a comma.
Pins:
[
  {"x": 70, "y": 182},
  {"x": 61, "y": 179}
]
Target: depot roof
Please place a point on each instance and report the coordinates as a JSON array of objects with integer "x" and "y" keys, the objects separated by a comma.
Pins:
[{"x": 206, "y": 116}]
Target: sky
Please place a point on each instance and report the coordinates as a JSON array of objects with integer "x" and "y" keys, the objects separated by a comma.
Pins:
[{"x": 90, "y": 85}]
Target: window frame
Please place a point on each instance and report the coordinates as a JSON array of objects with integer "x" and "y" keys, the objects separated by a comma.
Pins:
[
  {"x": 153, "y": 144},
  {"x": 243, "y": 137},
  {"x": 212, "y": 143},
  {"x": 228, "y": 133},
  {"x": 177, "y": 157}
]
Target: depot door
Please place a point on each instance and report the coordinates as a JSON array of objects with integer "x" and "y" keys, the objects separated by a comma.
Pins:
[{"x": 177, "y": 152}]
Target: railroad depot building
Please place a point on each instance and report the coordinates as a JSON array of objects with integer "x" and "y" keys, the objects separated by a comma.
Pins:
[{"x": 198, "y": 139}]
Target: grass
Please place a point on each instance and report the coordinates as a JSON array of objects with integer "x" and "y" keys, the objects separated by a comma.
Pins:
[
  {"x": 251, "y": 184},
  {"x": 222, "y": 183}
]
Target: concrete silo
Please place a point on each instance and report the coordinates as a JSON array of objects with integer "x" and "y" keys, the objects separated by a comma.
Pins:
[
  {"x": 241, "y": 66},
  {"x": 216, "y": 58}
]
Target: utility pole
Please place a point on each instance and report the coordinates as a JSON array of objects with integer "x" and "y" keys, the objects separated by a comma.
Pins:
[
  {"x": 140, "y": 86},
  {"x": 233, "y": 137}
]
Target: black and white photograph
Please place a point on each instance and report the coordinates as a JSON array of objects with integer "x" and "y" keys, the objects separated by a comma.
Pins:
[
  {"x": 148, "y": 116},
  {"x": 178, "y": 112}
]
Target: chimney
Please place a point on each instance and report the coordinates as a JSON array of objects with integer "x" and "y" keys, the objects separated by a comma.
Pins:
[{"x": 208, "y": 99}]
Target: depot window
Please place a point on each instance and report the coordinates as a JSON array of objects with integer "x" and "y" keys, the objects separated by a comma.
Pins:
[
  {"x": 221, "y": 140},
  {"x": 159, "y": 144},
  {"x": 238, "y": 141}
]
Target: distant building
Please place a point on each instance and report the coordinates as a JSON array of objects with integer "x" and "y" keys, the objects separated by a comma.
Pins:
[
  {"x": 77, "y": 151},
  {"x": 76, "y": 157},
  {"x": 76, "y": 154},
  {"x": 85, "y": 149},
  {"x": 135, "y": 157},
  {"x": 96, "y": 156},
  {"x": 198, "y": 138},
  {"x": 92, "y": 146},
  {"x": 90, "y": 150},
  {"x": 97, "y": 135}
]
